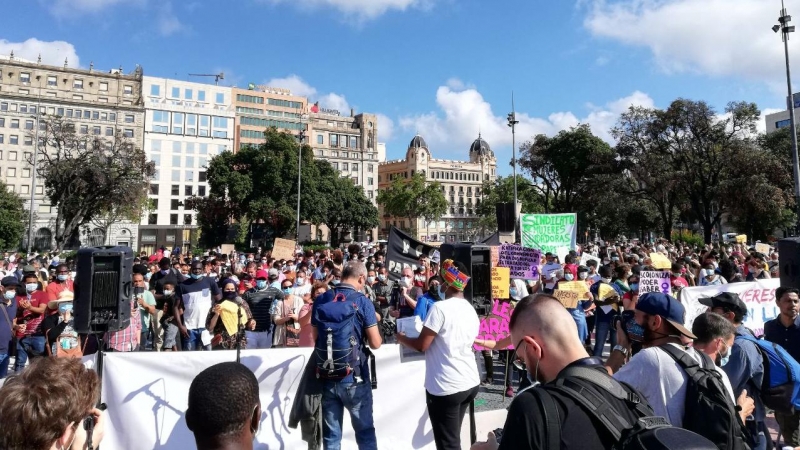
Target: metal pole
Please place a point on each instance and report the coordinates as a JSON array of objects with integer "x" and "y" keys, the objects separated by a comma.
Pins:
[
  {"x": 33, "y": 182},
  {"x": 512, "y": 122},
  {"x": 299, "y": 167},
  {"x": 790, "y": 105}
]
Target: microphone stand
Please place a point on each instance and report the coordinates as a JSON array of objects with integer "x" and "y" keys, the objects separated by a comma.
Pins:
[{"x": 239, "y": 332}]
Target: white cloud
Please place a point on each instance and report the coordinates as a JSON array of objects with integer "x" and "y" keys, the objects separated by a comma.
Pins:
[
  {"x": 167, "y": 22},
  {"x": 53, "y": 52},
  {"x": 711, "y": 37},
  {"x": 761, "y": 125},
  {"x": 73, "y": 8},
  {"x": 386, "y": 128},
  {"x": 463, "y": 113},
  {"x": 295, "y": 84},
  {"x": 334, "y": 101},
  {"x": 360, "y": 9}
]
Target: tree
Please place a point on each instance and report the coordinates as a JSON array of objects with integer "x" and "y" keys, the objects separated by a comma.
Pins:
[
  {"x": 567, "y": 167},
  {"x": 86, "y": 176},
  {"x": 12, "y": 218},
  {"x": 501, "y": 190},
  {"x": 412, "y": 198},
  {"x": 347, "y": 206},
  {"x": 131, "y": 212}
]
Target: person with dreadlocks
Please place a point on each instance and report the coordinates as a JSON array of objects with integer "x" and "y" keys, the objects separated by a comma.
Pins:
[
  {"x": 451, "y": 374},
  {"x": 224, "y": 415}
]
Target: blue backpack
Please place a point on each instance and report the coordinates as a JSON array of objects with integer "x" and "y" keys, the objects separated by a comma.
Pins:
[
  {"x": 780, "y": 389},
  {"x": 337, "y": 351}
]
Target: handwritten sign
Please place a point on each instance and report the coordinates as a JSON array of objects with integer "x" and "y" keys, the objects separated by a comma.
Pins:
[
  {"x": 495, "y": 326},
  {"x": 660, "y": 261},
  {"x": 763, "y": 248},
  {"x": 494, "y": 251},
  {"x": 547, "y": 232},
  {"x": 567, "y": 298},
  {"x": 579, "y": 287},
  {"x": 283, "y": 249},
  {"x": 585, "y": 258},
  {"x": 605, "y": 292},
  {"x": 654, "y": 281},
  {"x": 523, "y": 262},
  {"x": 501, "y": 282}
]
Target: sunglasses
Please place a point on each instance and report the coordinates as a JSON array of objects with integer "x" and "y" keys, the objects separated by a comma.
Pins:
[{"x": 518, "y": 363}]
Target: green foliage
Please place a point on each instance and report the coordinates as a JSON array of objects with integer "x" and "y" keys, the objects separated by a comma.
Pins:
[
  {"x": 414, "y": 197},
  {"x": 686, "y": 236},
  {"x": 12, "y": 218}
]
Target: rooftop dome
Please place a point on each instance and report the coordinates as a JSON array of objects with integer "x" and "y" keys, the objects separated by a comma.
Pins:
[
  {"x": 418, "y": 142},
  {"x": 480, "y": 147}
]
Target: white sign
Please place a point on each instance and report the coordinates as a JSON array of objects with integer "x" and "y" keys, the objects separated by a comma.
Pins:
[
  {"x": 562, "y": 253},
  {"x": 411, "y": 327},
  {"x": 759, "y": 296},
  {"x": 585, "y": 258},
  {"x": 655, "y": 281},
  {"x": 147, "y": 394}
]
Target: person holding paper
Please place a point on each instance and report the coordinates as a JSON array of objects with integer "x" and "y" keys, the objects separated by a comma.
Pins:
[
  {"x": 222, "y": 319},
  {"x": 451, "y": 374},
  {"x": 607, "y": 296}
]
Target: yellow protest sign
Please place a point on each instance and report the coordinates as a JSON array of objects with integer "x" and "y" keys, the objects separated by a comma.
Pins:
[
  {"x": 567, "y": 298},
  {"x": 501, "y": 281},
  {"x": 574, "y": 286},
  {"x": 229, "y": 314},
  {"x": 741, "y": 239},
  {"x": 660, "y": 261},
  {"x": 605, "y": 292}
]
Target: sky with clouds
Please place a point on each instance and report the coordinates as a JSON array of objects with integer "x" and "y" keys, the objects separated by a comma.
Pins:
[{"x": 444, "y": 69}]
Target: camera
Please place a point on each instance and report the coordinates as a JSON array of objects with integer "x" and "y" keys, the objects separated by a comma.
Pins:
[{"x": 633, "y": 331}]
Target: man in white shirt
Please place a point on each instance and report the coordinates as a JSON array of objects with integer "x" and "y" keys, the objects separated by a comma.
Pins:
[{"x": 550, "y": 273}]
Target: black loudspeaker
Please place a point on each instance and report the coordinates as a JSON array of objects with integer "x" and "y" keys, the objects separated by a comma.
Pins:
[
  {"x": 506, "y": 219},
  {"x": 789, "y": 252},
  {"x": 477, "y": 259},
  {"x": 103, "y": 289}
]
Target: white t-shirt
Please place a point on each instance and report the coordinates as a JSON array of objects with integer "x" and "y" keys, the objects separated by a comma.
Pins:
[
  {"x": 547, "y": 270},
  {"x": 450, "y": 365},
  {"x": 301, "y": 291}
]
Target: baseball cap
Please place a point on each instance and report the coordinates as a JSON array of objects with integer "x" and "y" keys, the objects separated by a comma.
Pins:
[
  {"x": 727, "y": 300},
  {"x": 261, "y": 275},
  {"x": 9, "y": 281},
  {"x": 273, "y": 273},
  {"x": 666, "y": 306}
]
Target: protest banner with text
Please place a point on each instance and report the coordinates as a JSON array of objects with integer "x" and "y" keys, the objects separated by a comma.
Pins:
[
  {"x": 548, "y": 232},
  {"x": 283, "y": 249},
  {"x": 655, "y": 281},
  {"x": 494, "y": 327},
  {"x": 501, "y": 282},
  {"x": 404, "y": 251},
  {"x": 523, "y": 262}
]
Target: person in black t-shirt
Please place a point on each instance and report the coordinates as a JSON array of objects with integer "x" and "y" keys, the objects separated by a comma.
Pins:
[{"x": 547, "y": 342}]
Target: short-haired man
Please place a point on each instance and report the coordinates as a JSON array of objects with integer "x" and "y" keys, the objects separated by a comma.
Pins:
[
  {"x": 263, "y": 300},
  {"x": 224, "y": 410},
  {"x": 354, "y": 392},
  {"x": 195, "y": 296},
  {"x": 784, "y": 330},
  {"x": 146, "y": 304}
]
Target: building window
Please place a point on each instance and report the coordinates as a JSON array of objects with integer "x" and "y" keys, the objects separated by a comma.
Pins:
[
  {"x": 334, "y": 140},
  {"x": 84, "y": 129},
  {"x": 335, "y": 165},
  {"x": 28, "y": 124},
  {"x": 320, "y": 139},
  {"x": 24, "y": 189},
  {"x": 51, "y": 80},
  {"x": 155, "y": 90},
  {"x": 345, "y": 166},
  {"x": 109, "y": 131},
  {"x": 14, "y": 123},
  {"x": 26, "y": 173},
  {"x": 154, "y": 189},
  {"x": 201, "y": 96},
  {"x": 176, "y": 92},
  {"x": 176, "y": 190},
  {"x": 188, "y": 94},
  {"x": 191, "y": 124},
  {"x": 370, "y": 181},
  {"x": 128, "y": 132},
  {"x": 127, "y": 89},
  {"x": 13, "y": 140},
  {"x": 202, "y": 177},
  {"x": 160, "y": 121},
  {"x": 187, "y": 219},
  {"x": 130, "y": 118},
  {"x": 783, "y": 123},
  {"x": 177, "y": 123},
  {"x": 221, "y": 98},
  {"x": 11, "y": 172},
  {"x": 96, "y": 131},
  {"x": 174, "y": 204},
  {"x": 77, "y": 84},
  {"x": 103, "y": 86},
  {"x": 24, "y": 77},
  {"x": 187, "y": 191},
  {"x": 2, "y": 140},
  {"x": 176, "y": 161},
  {"x": 152, "y": 219},
  {"x": 173, "y": 219},
  {"x": 353, "y": 142},
  {"x": 77, "y": 97},
  {"x": 189, "y": 175},
  {"x": 176, "y": 176},
  {"x": 176, "y": 146},
  {"x": 205, "y": 124}
]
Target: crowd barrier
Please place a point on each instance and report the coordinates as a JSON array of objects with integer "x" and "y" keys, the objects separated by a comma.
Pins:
[
  {"x": 759, "y": 296},
  {"x": 147, "y": 394}
]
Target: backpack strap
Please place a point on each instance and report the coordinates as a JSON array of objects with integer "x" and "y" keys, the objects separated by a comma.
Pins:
[{"x": 552, "y": 419}]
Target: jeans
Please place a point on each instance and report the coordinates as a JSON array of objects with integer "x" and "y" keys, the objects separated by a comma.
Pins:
[
  {"x": 4, "y": 360},
  {"x": 789, "y": 425},
  {"x": 760, "y": 434},
  {"x": 258, "y": 339},
  {"x": 193, "y": 342},
  {"x": 446, "y": 414},
  {"x": 29, "y": 346},
  {"x": 357, "y": 398},
  {"x": 604, "y": 330}
]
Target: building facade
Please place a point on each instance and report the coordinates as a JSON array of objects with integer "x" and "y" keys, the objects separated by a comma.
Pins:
[
  {"x": 781, "y": 119},
  {"x": 461, "y": 183},
  {"x": 99, "y": 103},
  {"x": 186, "y": 124},
  {"x": 261, "y": 107}
]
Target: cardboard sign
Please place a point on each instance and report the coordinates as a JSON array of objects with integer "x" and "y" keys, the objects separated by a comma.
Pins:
[
  {"x": 660, "y": 261},
  {"x": 585, "y": 258},
  {"x": 523, "y": 262},
  {"x": 494, "y": 251},
  {"x": 495, "y": 326},
  {"x": 741, "y": 239},
  {"x": 567, "y": 298},
  {"x": 283, "y": 249},
  {"x": 548, "y": 232},
  {"x": 763, "y": 248},
  {"x": 605, "y": 292},
  {"x": 653, "y": 281},
  {"x": 501, "y": 282},
  {"x": 579, "y": 287}
]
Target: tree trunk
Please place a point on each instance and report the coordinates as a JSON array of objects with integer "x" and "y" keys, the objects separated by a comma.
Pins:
[{"x": 707, "y": 228}]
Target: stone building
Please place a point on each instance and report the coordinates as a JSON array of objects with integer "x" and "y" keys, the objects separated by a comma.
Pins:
[{"x": 461, "y": 183}]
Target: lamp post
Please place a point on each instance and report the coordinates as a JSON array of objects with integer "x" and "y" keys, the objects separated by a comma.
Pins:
[
  {"x": 512, "y": 122},
  {"x": 301, "y": 138},
  {"x": 785, "y": 29},
  {"x": 33, "y": 182}
]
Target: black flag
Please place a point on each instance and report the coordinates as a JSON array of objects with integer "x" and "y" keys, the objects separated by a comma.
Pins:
[{"x": 404, "y": 251}]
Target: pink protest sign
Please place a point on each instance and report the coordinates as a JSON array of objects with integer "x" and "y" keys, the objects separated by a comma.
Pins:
[{"x": 494, "y": 327}]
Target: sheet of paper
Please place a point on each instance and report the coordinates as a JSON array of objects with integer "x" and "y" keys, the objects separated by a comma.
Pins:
[
  {"x": 606, "y": 308},
  {"x": 229, "y": 314},
  {"x": 412, "y": 327},
  {"x": 205, "y": 337}
]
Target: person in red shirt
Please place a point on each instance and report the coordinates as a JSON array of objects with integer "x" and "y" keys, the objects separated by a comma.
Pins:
[
  {"x": 62, "y": 283},
  {"x": 30, "y": 313}
]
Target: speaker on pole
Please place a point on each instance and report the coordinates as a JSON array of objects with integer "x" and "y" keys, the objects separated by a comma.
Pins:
[
  {"x": 506, "y": 219},
  {"x": 477, "y": 259},
  {"x": 789, "y": 251},
  {"x": 103, "y": 289}
]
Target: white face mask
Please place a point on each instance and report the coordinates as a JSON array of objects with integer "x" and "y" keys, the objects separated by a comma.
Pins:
[
  {"x": 605, "y": 280},
  {"x": 583, "y": 275},
  {"x": 569, "y": 277}
]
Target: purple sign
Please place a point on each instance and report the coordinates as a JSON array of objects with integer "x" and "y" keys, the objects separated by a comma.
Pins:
[{"x": 523, "y": 262}]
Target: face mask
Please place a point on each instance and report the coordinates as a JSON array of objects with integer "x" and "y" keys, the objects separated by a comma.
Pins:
[
  {"x": 300, "y": 281},
  {"x": 442, "y": 290},
  {"x": 635, "y": 331},
  {"x": 381, "y": 278},
  {"x": 62, "y": 277},
  {"x": 569, "y": 277},
  {"x": 336, "y": 282},
  {"x": 9, "y": 295},
  {"x": 635, "y": 287},
  {"x": 261, "y": 284},
  {"x": 370, "y": 280},
  {"x": 229, "y": 295},
  {"x": 287, "y": 290},
  {"x": 167, "y": 293},
  {"x": 606, "y": 280},
  {"x": 31, "y": 287},
  {"x": 723, "y": 359},
  {"x": 64, "y": 307},
  {"x": 196, "y": 276},
  {"x": 606, "y": 262},
  {"x": 164, "y": 271},
  {"x": 583, "y": 275},
  {"x": 614, "y": 258},
  {"x": 146, "y": 277},
  {"x": 676, "y": 274},
  {"x": 513, "y": 292}
]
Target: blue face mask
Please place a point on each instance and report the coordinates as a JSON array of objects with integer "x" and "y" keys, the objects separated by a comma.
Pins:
[
  {"x": 261, "y": 284},
  {"x": 635, "y": 287},
  {"x": 64, "y": 307},
  {"x": 442, "y": 291},
  {"x": 635, "y": 331},
  {"x": 513, "y": 292},
  {"x": 10, "y": 294},
  {"x": 724, "y": 359},
  {"x": 196, "y": 276},
  {"x": 287, "y": 291},
  {"x": 336, "y": 282},
  {"x": 62, "y": 277}
]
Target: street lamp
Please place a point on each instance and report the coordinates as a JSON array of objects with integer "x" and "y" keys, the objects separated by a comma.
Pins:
[
  {"x": 512, "y": 122},
  {"x": 301, "y": 138},
  {"x": 785, "y": 29},
  {"x": 33, "y": 182}
]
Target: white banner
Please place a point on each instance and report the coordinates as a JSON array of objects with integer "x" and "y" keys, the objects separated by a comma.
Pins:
[
  {"x": 759, "y": 296},
  {"x": 147, "y": 395}
]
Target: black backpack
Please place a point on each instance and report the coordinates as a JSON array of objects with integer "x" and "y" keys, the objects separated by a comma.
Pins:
[
  {"x": 708, "y": 411},
  {"x": 648, "y": 432}
]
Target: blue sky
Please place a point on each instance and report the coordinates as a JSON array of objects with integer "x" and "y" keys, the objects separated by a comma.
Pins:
[{"x": 443, "y": 68}]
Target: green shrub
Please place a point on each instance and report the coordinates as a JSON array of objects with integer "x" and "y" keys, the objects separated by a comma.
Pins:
[{"x": 688, "y": 237}]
